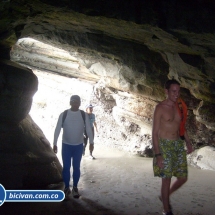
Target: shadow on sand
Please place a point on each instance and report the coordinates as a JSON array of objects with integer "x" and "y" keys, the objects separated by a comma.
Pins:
[{"x": 70, "y": 206}]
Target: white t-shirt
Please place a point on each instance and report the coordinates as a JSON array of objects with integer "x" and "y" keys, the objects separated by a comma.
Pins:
[{"x": 73, "y": 128}]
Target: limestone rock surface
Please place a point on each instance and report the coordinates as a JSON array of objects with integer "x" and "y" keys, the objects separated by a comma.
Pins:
[
  {"x": 203, "y": 158},
  {"x": 127, "y": 57},
  {"x": 27, "y": 160}
]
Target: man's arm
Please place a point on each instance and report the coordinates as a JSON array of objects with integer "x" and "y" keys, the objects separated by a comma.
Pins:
[
  {"x": 95, "y": 125},
  {"x": 89, "y": 129},
  {"x": 155, "y": 130},
  {"x": 188, "y": 143},
  {"x": 94, "y": 121},
  {"x": 57, "y": 132},
  {"x": 155, "y": 137}
]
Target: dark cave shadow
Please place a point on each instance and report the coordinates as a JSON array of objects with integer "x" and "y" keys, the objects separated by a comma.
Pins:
[
  {"x": 71, "y": 206},
  {"x": 99, "y": 209}
]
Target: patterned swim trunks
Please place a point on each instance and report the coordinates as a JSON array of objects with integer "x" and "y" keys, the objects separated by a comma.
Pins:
[{"x": 175, "y": 159}]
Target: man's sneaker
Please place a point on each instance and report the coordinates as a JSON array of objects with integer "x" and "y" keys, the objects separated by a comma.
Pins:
[
  {"x": 167, "y": 213},
  {"x": 67, "y": 191},
  {"x": 75, "y": 192},
  {"x": 170, "y": 206},
  {"x": 91, "y": 157}
]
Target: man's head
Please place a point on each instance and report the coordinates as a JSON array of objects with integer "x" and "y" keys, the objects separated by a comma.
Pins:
[
  {"x": 169, "y": 83},
  {"x": 75, "y": 102},
  {"x": 172, "y": 90},
  {"x": 89, "y": 108}
]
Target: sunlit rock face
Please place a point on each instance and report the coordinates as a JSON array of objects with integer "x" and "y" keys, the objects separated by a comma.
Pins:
[
  {"x": 129, "y": 62},
  {"x": 203, "y": 158},
  {"x": 25, "y": 153}
]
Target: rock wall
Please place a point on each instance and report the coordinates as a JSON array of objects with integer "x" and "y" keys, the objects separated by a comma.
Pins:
[
  {"x": 126, "y": 58},
  {"x": 118, "y": 126},
  {"x": 167, "y": 14},
  {"x": 27, "y": 160},
  {"x": 129, "y": 62},
  {"x": 131, "y": 58}
]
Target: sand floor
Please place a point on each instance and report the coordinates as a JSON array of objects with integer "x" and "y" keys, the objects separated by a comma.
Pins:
[{"x": 117, "y": 183}]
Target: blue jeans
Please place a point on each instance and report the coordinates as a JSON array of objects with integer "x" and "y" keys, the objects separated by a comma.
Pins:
[{"x": 75, "y": 153}]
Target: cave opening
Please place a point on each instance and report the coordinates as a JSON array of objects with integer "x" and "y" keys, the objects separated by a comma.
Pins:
[{"x": 52, "y": 66}]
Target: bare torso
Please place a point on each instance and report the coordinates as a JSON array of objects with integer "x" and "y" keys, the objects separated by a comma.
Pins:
[{"x": 169, "y": 121}]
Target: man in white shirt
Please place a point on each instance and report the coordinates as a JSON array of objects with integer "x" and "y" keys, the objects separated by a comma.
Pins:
[{"x": 73, "y": 126}]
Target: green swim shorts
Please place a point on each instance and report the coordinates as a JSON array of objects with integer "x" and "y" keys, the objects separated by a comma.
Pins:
[{"x": 175, "y": 159}]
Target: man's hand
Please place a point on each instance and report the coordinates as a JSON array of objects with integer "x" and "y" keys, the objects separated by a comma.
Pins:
[
  {"x": 91, "y": 146},
  {"x": 189, "y": 148},
  {"x": 159, "y": 160},
  {"x": 55, "y": 149}
]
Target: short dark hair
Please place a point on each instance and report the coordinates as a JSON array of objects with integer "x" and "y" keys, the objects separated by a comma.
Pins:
[
  {"x": 75, "y": 98},
  {"x": 169, "y": 82}
]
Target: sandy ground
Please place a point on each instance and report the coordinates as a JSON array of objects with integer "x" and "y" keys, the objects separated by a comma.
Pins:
[
  {"x": 125, "y": 183},
  {"x": 117, "y": 183}
]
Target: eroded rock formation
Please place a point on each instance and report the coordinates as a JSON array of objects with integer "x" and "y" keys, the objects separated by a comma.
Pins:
[
  {"x": 124, "y": 57},
  {"x": 25, "y": 153}
]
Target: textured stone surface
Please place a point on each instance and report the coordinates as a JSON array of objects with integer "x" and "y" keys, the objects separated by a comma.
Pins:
[
  {"x": 132, "y": 58},
  {"x": 203, "y": 158},
  {"x": 126, "y": 58},
  {"x": 167, "y": 14},
  {"x": 18, "y": 86},
  {"x": 28, "y": 159},
  {"x": 25, "y": 153}
]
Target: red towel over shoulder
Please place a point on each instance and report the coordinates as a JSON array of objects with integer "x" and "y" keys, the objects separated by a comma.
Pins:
[{"x": 182, "y": 109}]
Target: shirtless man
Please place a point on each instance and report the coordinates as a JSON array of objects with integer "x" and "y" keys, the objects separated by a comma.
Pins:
[{"x": 169, "y": 152}]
